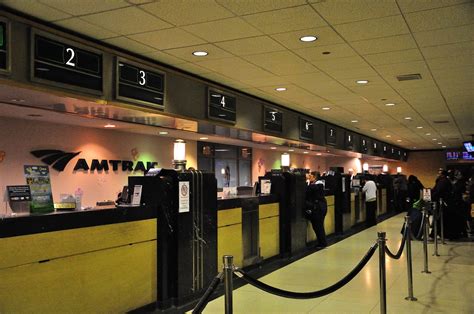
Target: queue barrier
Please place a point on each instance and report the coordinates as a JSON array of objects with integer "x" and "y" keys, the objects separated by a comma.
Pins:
[{"x": 230, "y": 269}]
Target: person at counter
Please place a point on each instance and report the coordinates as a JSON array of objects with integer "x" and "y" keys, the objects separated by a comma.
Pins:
[
  {"x": 316, "y": 207},
  {"x": 370, "y": 190}
]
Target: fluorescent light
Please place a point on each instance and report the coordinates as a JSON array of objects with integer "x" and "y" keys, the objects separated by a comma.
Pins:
[
  {"x": 444, "y": 146},
  {"x": 280, "y": 89},
  {"x": 373, "y": 130},
  {"x": 108, "y": 125},
  {"x": 428, "y": 134},
  {"x": 354, "y": 121},
  {"x": 318, "y": 154},
  {"x": 362, "y": 81},
  {"x": 439, "y": 143},
  {"x": 419, "y": 127},
  {"x": 203, "y": 138},
  {"x": 390, "y": 104},
  {"x": 308, "y": 38},
  {"x": 435, "y": 139},
  {"x": 399, "y": 140},
  {"x": 163, "y": 132},
  {"x": 200, "y": 53},
  {"x": 407, "y": 118},
  {"x": 388, "y": 136},
  {"x": 273, "y": 147},
  {"x": 326, "y": 108}
]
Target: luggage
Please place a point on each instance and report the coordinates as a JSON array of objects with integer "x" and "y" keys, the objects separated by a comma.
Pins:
[{"x": 416, "y": 217}]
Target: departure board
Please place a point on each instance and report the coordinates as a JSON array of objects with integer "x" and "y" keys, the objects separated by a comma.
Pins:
[
  {"x": 306, "y": 129},
  {"x": 273, "y": 120},
  {"x": 66, "y": 64},
  {"x": 331, "y": 136},
  {"x": 4, "y": 46},
  {"x": 349, "y": 144},
  {"x": 221, "y": 106},
  {"x": 139, "y": 84}
]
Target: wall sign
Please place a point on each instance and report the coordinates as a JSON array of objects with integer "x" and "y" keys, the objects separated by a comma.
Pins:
[
  {"x": 139, "y": 84},
  {"x": 349, "y": 144},
  {"x": 306, "y": 129},
  {"x": 183, "y": 187},
  {"x": 364, "y": 145},
  {"x": 221, "y": 106},
  {"x": 60, "y": 62},
  {"x": 19, "y": 193},
  {"x": 4, "y": 45},
  {"x": 331, "y": 138},
  {"x": 272, "y": 120}
]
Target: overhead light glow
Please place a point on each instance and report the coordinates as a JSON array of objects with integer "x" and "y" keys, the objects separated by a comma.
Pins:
[
  {"x": 419, "y": 127},
  {"x": 163, "y": 132},
  {"x": 399, "y": 140},
  {"x": 444, "y": 146},
  {"x": 291, "y": 150},
  {"x": 305, "y": 152},
  {"x": 428, "y": 134},
  {"x": 308, "y": 38},
  {"x": 318, "y": 154},
  {"x": 362, "y": 81},
  {"x": 326, "y": 108},
  {"x": 273, "y": 147},
  {"x": 354, "y": 121},
  {"x": 435, "y": 139},
  {"x": 390, "y": 104},
  {"x": 203, "y": 138},
  {"x": 108, "y": 125},
  {"x": 280, "y": 89},
  {"x": 439, "y": 143},
  {"x": 407, "y": 118},
  {"x": 285, "y": 160},
  {"x": 388, "y": 136},
  {"x": 200, "y": 53},
  {"x": 373, "y": 130}
]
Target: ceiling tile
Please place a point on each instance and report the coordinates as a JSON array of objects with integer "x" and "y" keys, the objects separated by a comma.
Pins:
[
  {"x": 341, "y": 63},
  {"x": 281, "y": 63},
  {"x": 129, "y": 44},
  {"x": 445, "y": 36},
  {"x": 193, "y": 68},
  {"x": 449, "y": 50},
  {"x": 394, "y": 57},
  {"x": 352, "y": 72},
  {"x": 164, "y": 57},
  {"x": 285, "y": 20},
  {"x": 316, "y": 53},
  {"x": 375, "y": 28},
  {"x": 132, "y": 21},
  {"x": 266, "y": 80},
  {"x": 379, "y": 45},
  {"x": 242, "y": 7},
  {"x": 291, "y": 40},
  {"x": 86, "y": 28},
  {"x": 167, "y": 38},
  {"x": 234, "y": 68},
  {"x": 222, "y": 30},
  {"x": 420, "y": 5},
  {"x": 186, "y": 53},
  {"x": 440, "y": 18},
  {"x": 185, "y": 12},
  {"x": 85, "y": 6},
  {"x": 253, "y": 45},
  {"x": 36, "y": 9},
  {"x": 337, "y": 12},
  {"x": 459, "y": 63}
]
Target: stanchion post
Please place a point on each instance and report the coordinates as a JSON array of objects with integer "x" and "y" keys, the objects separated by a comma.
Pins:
[
  {"x": 435, "y": 220},
  {"x": 410, "y": 296},
  {"x": 382, "y": 276},
  {"x": 228, "y": 287},
  {"x": 425, "y": 240},
  {"x": 441, "y": 208}
]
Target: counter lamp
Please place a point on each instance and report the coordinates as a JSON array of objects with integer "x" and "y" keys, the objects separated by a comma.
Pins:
[
  {"x": 399, "y": 169},
  {"x": 285, "y": 161},
  {"x": 385, "y": 168},
  {"x": 365, "y": 166},
  {"x": 179, "y": 155}
]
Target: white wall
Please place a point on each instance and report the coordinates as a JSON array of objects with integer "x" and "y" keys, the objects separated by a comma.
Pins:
[{"x": 19, "y": 137}]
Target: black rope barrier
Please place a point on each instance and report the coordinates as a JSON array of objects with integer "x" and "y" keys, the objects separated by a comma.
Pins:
[
  {"x": 314, "y": 294},
  {"x": 400, "y": 250},
  {"x": 207, "y": 295}
]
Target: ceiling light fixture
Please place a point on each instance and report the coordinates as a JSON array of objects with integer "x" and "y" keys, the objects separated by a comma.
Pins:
[
  {"x": 280, "y": 89},
  {"x": 305, "y": 152},
  {"x": 407, "y": 118},
  {"x": 291, "y": 150},
  {"x": 326, "y": 108},
  {"x": 439, "y": 143},
  {"x": 399, "y": 141},
  {"x": 435, "y": 139},
  {"x": 308, "y": 38},
  {"x": 428, "y": 134},
  {"x": 17, "y": 100},
  {"x": 419, "y": 127},
  {"x": 373, "y": 130},
  {"x": 200, "y": 53},
  {"x": 203, "y": 138},
  {"x": 388, "y": 136},
  {"x": 163, "y": 132},
  {"x": 108, "y": 125},
  {"x": 354, "y": 121},
  {"x": 273, "y": 147},
  {"x": 444, "y": 146},
  {"x": 318, "y": 154},
  {"x": 390, "y": 104},
  {"x": 362, "y": 81}
]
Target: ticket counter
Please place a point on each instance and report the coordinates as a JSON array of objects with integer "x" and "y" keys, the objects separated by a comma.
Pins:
[{"x": 329, "y": 221}]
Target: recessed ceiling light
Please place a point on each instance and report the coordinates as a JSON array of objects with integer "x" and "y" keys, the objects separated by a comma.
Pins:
[
  {"x": 291, "y": 150},
  {"x": 407, "y": 118},
  {"x": 362, "y": 81},
  {"x": 435, "y": 139},
  {"x": 200, "y": 53},
  {"x": 318, "y": 154},
  {"x": 399, "y": 140},
  {"x": 309, "y": 38},
  {"x": 273, "y": 147},
  {"x": 414, "y": 147},
  {"x": 439, "y": 143},
  {"x": 326, "y": 108},
  {"x": 203, "y": 138},
  {"x": 373, "y": 130},
  {"x": 108, "y": 125},
  {"x": 163, "y": 132},
  {"x": 17, "y": 100},
  {"x": 280, "y": 89},
  {"x": 390, "y": 104},
  {"x": 354, "y": 121},
  {"x": 428, "y": 134},
  {"x": 419, "y": 127},
  {"x": 305, "y": 152},
  {"x": 444, "y": 146},
  {"x": 388, "y": 136}
]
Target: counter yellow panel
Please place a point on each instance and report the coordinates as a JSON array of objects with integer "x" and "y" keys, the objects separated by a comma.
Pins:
[
  {"x": 329, "y": 222},
  {"x": 115, "y": 279},
  {"x": 268, "y": 210},
  {"x": 229, "y": 236},
  {"x": 330, "y": 200},
  {"x": 42, "y": 246},
  {"x": 228, "y": 217}
]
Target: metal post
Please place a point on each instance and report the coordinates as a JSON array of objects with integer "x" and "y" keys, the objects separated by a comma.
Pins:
[
  {"x": 383, "y": 285},
  {"x": 410, "y": 296},
  {"x": 435, "y": 220},
  {"x": 425, "y": 240},
  {"x": 228, "y": 273},
  {"x": 441, "y": 219}
]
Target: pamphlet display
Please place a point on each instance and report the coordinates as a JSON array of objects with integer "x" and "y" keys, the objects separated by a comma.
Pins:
[
  {"x": 19, "y": 193},
  {"x": 137, "y": 195},
  {"x": 37, "y": 177}
]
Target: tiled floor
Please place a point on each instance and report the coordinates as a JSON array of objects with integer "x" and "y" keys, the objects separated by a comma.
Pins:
[{"x": 448, "y": 289}]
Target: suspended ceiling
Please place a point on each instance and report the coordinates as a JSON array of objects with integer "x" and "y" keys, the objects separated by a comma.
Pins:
[{"x": 254, "y": 46}]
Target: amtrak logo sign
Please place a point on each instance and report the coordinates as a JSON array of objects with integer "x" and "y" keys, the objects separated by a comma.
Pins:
[{"x": 59, "y": 159}]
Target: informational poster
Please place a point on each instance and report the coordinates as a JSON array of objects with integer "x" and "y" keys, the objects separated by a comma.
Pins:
[
  {"x": 137, "y": 195},
  {"x": 37, "y": 177},
  {"x": 184, "y": 196},
  {"x": 266, "y": 186},
  {"x": 427, "y": 195},
  {"x": 19, "y": 193}
]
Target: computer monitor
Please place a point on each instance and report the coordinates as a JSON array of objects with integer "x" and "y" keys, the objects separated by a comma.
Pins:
[{"x": 469, "y": 146}]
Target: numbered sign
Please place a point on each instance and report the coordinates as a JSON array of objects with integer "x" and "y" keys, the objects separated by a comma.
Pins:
[
  {"x": 331, "y": 136},
  {"x": 273, "y": 120},
  {"x": 221, "y": 106},
  {"x": 364, "y": 145},
  {"x": 349, "y": 141},
  {"x": 60, "y": 62},
  {"x": 4, "y": 46},
  {"x": 139, "y": 84},
  {"x": 306, "y": 129}
]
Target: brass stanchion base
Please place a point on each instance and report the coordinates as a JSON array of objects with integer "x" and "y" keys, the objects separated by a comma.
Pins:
[
  {"x": 427, "y": 271},
  {"x": 411, "y": 299}
]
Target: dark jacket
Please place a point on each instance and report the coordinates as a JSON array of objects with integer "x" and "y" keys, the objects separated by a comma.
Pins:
[
  {"x": 315, "y": 199},
  {"x": 442, "y": 189},
  {"x": 414, "y": 187}
]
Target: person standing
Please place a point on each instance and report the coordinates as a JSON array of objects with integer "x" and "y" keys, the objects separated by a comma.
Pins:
[
  {"x": 316, "y": 207},
  {"x": 414, "y": 189},
  {"x": 370, "y": 190}
]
